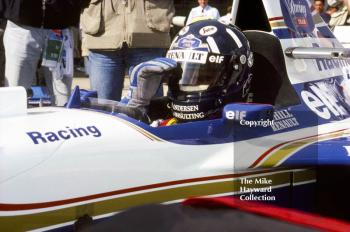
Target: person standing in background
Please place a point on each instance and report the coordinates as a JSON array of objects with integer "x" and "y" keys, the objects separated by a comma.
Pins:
[
  {"x": 201, "y": 12},
  {"x": 338, "y": 12},
  {"x": 39, "y": 30},
  {"x": 120, "y": 34},
  {"x": 318, "y": 6}
]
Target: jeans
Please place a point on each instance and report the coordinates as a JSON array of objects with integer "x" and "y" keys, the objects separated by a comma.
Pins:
[
  {"x": 107, "y": 68},
  {"x": 23, "y": 50}
]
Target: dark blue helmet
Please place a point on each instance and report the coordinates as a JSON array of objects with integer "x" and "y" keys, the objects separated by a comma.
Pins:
[{"x": 215, "y": 61}]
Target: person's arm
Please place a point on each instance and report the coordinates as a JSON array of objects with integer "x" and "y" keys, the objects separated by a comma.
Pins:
[{"x": 145, "y": 80}]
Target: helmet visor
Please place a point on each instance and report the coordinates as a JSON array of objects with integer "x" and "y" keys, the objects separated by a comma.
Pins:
[{"x": 200, "y": 70}]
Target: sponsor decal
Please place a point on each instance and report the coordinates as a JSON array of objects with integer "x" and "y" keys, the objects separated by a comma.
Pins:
[
  {"x": 208, "y": 30},
  {"x": 216, "y": 59},
  {"x": 68, "y": 133},
  {"x": 325, "y": 99},
  {"x": 193, "y": 116},
  {"x": 192, "y": 108},
  {"x": 297, "y": 16},
  {"x": 189, "y": 41},
  {"x": 241, "y": 115},
  {"x": 250, "y": 60},
  {"x": 192, "y": 56},
  {"x": 283, "y": 119},
  {"x": 236, "y": 115},
  {"x": 243, "y": 59},
  {"x": 189, "y": 112},
  {"x": 330, "y": 64}
]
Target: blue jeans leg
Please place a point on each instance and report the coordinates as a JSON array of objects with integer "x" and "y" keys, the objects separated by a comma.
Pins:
[{"x": 107, "y": 69}]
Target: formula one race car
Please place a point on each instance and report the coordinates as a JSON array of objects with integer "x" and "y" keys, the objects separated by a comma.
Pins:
[{"x": 59, "y": 164}]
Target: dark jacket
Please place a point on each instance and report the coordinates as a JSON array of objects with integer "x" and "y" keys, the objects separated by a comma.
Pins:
[{"x": 58, "y": 14}]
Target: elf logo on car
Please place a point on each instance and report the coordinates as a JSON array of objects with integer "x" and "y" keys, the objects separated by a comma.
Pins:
[{"x": 323, "y": 103}]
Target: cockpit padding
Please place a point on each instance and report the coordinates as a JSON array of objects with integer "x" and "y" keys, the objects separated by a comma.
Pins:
[
  {"x": 270, "y": 84},
  {"x": 251, "y": 15}
]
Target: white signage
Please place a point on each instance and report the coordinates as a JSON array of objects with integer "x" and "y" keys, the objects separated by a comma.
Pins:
[
  {"x": 323, "y": 103},
  {"x": 192, "y": 56}
]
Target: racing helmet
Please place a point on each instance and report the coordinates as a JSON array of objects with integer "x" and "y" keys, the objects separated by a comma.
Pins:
[{"x": 214, "y": 62}]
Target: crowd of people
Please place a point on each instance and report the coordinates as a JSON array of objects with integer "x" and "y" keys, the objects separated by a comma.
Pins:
[
  {"x": 333, "y": 12},
  {"x": 38, "y": 38},
  {"x": 38, "y": 35}
]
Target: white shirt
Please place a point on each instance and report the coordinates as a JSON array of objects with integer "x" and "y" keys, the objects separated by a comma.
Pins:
[{"x": 198, "y": 13}]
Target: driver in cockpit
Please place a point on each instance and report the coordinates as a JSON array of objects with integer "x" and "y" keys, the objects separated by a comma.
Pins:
[{"x": 207, "y": 66}]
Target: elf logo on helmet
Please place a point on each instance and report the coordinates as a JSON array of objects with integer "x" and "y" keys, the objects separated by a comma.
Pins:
[
  {"x": 216, "y": 59},
  {"x": 208, "y": 30}
]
